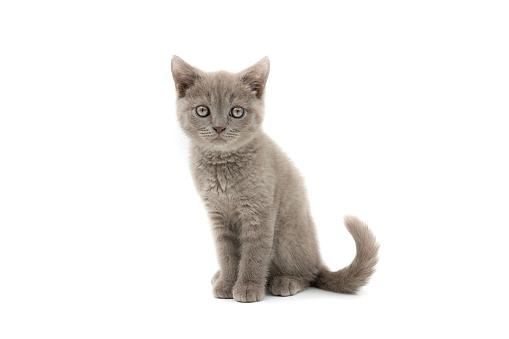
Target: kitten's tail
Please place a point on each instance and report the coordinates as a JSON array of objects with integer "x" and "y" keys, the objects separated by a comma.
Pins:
[{"x": 351, "y": 278}]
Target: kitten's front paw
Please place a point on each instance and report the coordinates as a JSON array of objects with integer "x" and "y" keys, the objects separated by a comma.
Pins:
[
  {"x": 222, "y": 289},
  {"x": 248, "y": 292}
]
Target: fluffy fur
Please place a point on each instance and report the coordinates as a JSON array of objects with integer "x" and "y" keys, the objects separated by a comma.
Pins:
[{"x": 255, "y": 197}]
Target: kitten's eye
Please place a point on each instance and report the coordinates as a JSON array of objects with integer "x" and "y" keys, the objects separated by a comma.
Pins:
[
  {"x": 237, "y": 112},
  {"x": 202, "y": 111}
]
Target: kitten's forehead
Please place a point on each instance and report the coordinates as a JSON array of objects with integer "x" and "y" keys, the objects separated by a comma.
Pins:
[
  {"x": 220, "y": 88},
  {"x": 220, "y": 79}
]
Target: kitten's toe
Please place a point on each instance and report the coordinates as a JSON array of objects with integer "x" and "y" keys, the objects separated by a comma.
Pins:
[
  {"x": 222, "y": 289},
  {"x": 248, "y": 292},
  {"x": 286, "y": 286}
]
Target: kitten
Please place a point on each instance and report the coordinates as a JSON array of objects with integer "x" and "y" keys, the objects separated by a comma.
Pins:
[{"x": 255, "y": 197}]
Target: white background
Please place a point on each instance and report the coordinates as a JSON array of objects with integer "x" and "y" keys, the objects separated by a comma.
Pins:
[{"x": 395, "y": 111}]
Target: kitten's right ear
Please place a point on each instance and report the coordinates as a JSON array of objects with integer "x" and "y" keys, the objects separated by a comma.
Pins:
[{"x": 184, "y": 75}]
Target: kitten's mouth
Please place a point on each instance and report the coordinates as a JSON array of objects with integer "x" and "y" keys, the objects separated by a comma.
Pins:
[{"x": 218, "y": 138}]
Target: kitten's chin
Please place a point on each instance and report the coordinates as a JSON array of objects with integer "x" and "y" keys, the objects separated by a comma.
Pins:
[
  {"x": 217, "y": 141},
  {"x": 221, "y": 144}
]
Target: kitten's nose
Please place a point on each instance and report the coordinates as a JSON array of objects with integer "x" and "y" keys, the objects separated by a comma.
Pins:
[{"x": 219, "y": 129}]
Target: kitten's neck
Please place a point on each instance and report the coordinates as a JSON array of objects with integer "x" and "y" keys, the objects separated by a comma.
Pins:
[{"x": 241, "y": 155}]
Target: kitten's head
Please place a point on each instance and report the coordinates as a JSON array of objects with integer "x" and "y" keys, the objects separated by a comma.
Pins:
[{"x": 220, "y": 110}]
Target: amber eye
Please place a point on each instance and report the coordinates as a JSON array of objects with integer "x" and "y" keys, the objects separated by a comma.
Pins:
[
  {"x": 202, "y": 111},
  {"x": 237, "y": 112}
]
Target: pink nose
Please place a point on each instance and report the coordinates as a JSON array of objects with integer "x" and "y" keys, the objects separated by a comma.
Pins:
[{"x": 219, "y": 129}]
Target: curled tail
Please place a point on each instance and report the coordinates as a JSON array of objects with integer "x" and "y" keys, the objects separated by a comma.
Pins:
[{"x": 351, "y": 278}]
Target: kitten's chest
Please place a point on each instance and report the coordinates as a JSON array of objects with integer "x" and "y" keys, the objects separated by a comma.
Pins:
[
  {"x": 224, "y": 179},
  {"x": 227, "y": 179}
]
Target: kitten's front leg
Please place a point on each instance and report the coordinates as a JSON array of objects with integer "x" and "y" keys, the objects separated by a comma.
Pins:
[
  {"x": 227, "y": 248},
  {"x": 256, "y": 238}
]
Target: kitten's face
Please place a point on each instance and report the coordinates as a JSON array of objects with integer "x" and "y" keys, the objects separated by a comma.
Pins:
[{"x": 220, "y": 110}]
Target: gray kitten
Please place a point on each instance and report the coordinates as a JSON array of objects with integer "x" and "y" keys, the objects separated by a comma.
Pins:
[{"x": 254, "y": 195}]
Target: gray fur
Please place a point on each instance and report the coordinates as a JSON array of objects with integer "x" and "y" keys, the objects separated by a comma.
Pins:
[{"x": 255, "y": 197}]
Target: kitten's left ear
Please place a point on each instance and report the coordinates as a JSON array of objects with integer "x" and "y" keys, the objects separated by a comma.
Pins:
[
  {"x": 184, "y": 75},
  {"x": 256, "y": 76}
]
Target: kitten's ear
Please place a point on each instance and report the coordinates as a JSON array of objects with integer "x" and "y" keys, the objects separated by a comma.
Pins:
[
  {"x": 184, "y": 75},
  {"x": 256, "y": 76}
]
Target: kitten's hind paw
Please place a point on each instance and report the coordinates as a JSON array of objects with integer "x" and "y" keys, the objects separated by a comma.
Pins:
[
  {"x": 215, "y": 277},
  {"x": 285, "y": 286},
  {"x": 248, "y": 292},
  {"x": 222, "y": 289}
]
